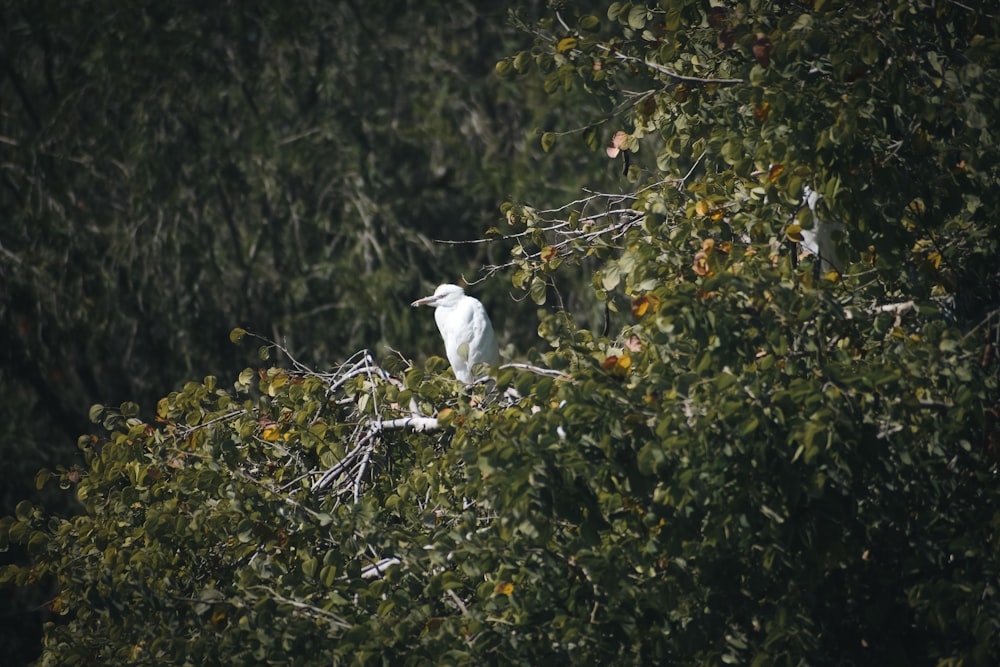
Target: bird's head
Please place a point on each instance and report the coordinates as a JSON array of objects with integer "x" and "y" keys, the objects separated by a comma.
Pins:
[{"x": 444, "y": 295}]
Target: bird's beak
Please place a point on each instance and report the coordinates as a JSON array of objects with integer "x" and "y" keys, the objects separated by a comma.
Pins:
[{"x": 426, "y": 301}]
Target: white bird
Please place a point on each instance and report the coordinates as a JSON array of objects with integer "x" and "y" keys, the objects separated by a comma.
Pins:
[
  {"x": 465, "y": 327},
  {"x": 822, "y": 239}
]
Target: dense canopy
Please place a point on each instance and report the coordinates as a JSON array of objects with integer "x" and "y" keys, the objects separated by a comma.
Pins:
[{"x": 708, "y": 446}]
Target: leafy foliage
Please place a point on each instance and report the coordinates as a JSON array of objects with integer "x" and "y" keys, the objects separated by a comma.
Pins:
[
  {"x": 169, "y": 173},
  {"x": 765, "y": 462}
]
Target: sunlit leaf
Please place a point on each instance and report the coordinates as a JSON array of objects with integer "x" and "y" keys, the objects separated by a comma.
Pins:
[
  {"x": 643, "y": 304},
  {"x": 548, "y": 141},
  {"x": 700, "y": 264},
  {"x": 566, "y": 44}
]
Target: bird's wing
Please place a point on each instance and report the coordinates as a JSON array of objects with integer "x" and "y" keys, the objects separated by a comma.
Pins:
[
  {"x": 484, "y": 344},
  {"x": 468, "y": 336},
  {"x": 455, "y": 325}
]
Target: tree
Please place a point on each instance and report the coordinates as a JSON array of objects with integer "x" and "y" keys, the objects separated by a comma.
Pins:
[
  {"x": 234, "y": 166},
  {"x": 764, "y": 461},
  {"x": 169, "y": 173}
]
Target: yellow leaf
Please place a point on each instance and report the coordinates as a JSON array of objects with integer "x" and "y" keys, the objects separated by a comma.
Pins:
[
  {"x": 700, "y": 264},
  {"x": 219, "y": 619},
  {"x": 549, "y": 253},
  {"x": 566, "y": 43},
  {"x": 617, "y": 366},
  {"x": 624, "y": 364},
  {"x": 794, "y": 233},
  {"x": 271, "y": 433},
  {"x": 548, "y": 141},
  {"x": 642, "y": 304},
  {"x": 504, "y": 588},
  {"x": 702, "y": 207}
]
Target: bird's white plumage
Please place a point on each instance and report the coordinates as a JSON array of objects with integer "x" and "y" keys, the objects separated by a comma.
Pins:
[
  {"x": 465, "y": 327},
  {"x": 821, "y": 240}
]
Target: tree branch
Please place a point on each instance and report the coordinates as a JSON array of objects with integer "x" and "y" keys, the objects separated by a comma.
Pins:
[{"x": 667, "y": 72}]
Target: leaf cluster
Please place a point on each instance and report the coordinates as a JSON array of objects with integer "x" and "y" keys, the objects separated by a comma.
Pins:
[{"x": 759, "y": 461}]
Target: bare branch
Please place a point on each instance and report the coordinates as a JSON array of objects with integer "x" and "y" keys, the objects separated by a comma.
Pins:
[
  {"x": 416, "y": 423},
  {"x": 896, "y": 308},
  {"x": 188, "y": 430},
  {"x": 668, "y": 72},
  {"x": 361, "y": 473},
  {"x": 548, "y": 372},
  {"x": 458, "y": 601},
  {"x": 310, "y": 609},
  {"x": 379, "y": 568}
]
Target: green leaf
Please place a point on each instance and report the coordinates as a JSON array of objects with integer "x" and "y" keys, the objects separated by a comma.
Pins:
[
  {"x": 548, "y": 141},
  {"x": 522, "y": 62},
  {"x": 96, "y": 413},
  {"x": 637, "y": 17},
  {"x": 538, "y": 290},
  {"x": 24, "y": 510},
  {"x": 610, "y": 276},
  {"x": 41, "y": 478}
]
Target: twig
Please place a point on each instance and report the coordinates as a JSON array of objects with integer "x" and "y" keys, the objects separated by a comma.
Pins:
[
  {"x": 305, "y": 606},
  {"x": 365, "y": 445},
  {"x": 990, "y": 316},
  {"x": 299, "y": 135},
  {"x": 670, "y": 73},
  {"x": 537, "y": 370},
  {"x": 186, "y": 431},
  {"x": 680, "y": 184},
  {"x": 416, "y": 423},
  {"x": 378, "y": 569},
  {"x": 896, "y": 308},
  {"x": 361, "y": 474},
  {"x": 343, "y": 464},
  {"x": 458, "y": 601}
]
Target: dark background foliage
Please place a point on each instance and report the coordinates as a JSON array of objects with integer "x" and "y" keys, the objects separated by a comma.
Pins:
[
  {"x": 170, "y": 171},
  {"x": 754, "y": 462}
]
